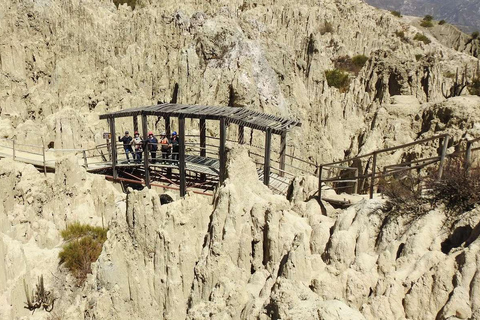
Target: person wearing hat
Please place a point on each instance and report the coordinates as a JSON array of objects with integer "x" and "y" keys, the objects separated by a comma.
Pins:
[
  {"x": 175, "y": 142},
  {"x": 166, "y": 146},
  {"x": 127, "y": 145},
  {"x": 137, "y": 144},
  {"x": 152, "y": 146}
]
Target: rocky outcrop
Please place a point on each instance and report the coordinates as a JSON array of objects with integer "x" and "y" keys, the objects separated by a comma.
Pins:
[
  {"x": 65, "y": 62},
  {"x": 249, "y": 254}
]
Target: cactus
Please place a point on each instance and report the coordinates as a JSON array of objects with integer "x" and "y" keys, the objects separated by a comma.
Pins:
[{"x": 457, "y": 88}]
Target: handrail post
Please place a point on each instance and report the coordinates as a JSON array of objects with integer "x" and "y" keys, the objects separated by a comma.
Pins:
[
  {"x": 113, "y": 148},
  {"x": 85, "y": 162},
  {"x": 241, "y": 134},
  {"x": 468, "y": 156},
  {"x": 372, "y": 181},
  {"x": 146, "y": 166},
  {"x": 442, "y": 158},
  {"x": 320, "y": 169},
  {"x": 181, "y": 157},
  {"x": 13, "y": 145}
]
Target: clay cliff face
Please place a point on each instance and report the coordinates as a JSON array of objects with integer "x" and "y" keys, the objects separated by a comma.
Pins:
[
  {"x": 65, "y": 62},
  {"x": 246, "y": 254},
  {"x": 249, "y": 254}
]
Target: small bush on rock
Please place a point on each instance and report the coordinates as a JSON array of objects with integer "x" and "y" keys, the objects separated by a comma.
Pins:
[
  {"x": 442, "y": 22},
  {"x": 459, "y": 189},
  {"x": 396, "y": 13},
  {"x": 428, "y": 18},
  {"x": 84, "y": 247},
  {"x": 426, "y": 24},
  {"x": 338, "y": 79},
  {"x": 475, "y": 34},
  {"x": 422, "y": 37}
]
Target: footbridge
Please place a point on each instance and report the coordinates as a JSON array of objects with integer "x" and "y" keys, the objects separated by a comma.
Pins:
[{"x": 200, "y": 161}]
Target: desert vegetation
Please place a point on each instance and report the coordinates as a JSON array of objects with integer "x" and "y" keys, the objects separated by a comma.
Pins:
[
  {"x": 338, "y": 79},
  {"x": 396, "y": 13},
  {"x": 83, "y": 246},
  {"x": 421, "y": 37},
  {"x": 414, "y": 195},
  {"x": 39, "y": 298}
]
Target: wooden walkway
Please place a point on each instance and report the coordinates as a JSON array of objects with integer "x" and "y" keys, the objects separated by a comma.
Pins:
[{"x": 196, "y": 165}]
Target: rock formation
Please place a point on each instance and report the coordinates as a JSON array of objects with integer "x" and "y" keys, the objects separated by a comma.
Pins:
[{"x": 246, "y": 253}]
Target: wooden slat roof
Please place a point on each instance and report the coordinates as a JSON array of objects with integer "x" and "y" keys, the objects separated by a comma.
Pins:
[{"x": 239, "y": 116}]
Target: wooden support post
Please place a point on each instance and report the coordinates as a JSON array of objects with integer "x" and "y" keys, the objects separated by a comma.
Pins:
[
  {"x": 374, "y": 171},
  {"x": 168, "y": 128},
  {"x": 13, "y": 148},
  {"x": 241, "y": 134},
  {"x": 356, "y": 181},
  {"x": 203, "y": 144},
  {"x": 320, "y": 170},
  {"x": 146, "y": 162},
  {"x": 181, "y": 157},
  {"x": 468, "y": 156},
  {"x": 85, "y": 162},
  {"x": 203, "y": 138},
  {"x": 222, "y": 150},
  {"x": 135, "y": 125},
  {"x": 44, "y": 160},
  {"x": 266, "y": 163},
  {"x": 442, "y": 158},
  {"x": 283, "y": 152},
  {"x": 113, "y": 148}
]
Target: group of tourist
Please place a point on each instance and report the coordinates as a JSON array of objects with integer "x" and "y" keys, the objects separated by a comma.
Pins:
[{"x": 169, "y": 146}]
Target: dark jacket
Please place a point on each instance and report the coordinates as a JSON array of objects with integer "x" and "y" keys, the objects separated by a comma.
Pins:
[
  {"x": 153, "y": 143},
  {"x": 127, "y": 142},
  {"x": 175, "y": 143}
]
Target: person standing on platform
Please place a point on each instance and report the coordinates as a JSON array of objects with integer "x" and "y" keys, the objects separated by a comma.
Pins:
[
  {"x": 137, "y": 144},
  {"x": 127, "y": 145},
  {"x": 175, "y": 142},
  {"x": 152, "y": 146},
  {"x": 166, "y": 146}
]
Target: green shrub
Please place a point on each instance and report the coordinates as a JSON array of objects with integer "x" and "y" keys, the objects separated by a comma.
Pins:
[
  {"x": 475, "y": 35},
  {"x": 422, "y": 37},
  {"x": 426, "y": 24},
  {"x": 396, "y": 13},
  {"x": 428, "y": 18},
  {"x": 359, "y": 60},
  {"x": 83, "y": 247},
  {"x": 355, "y": 64},
  {"x": 474, "y": 86},
  {"x": 327, "y": 28},
  {"x": 442, "y": 22},
  {"x": 400, "y": 34},
  {"x": 418, "y": 57},
  {"x": 338, "y": 79}
]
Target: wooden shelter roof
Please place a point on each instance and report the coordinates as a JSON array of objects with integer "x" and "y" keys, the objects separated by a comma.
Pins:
[{"x": 239, "y": 116}]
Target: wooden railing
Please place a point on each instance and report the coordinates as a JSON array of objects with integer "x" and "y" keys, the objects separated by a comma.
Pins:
[{"x": 283, "y": 171}]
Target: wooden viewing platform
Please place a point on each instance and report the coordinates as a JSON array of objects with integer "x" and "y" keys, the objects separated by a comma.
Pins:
[
  {"x": 201, "y": 166},
  {"x": 243, "y": 118}
]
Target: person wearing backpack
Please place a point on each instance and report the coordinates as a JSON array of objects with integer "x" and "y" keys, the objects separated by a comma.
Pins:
[{"x": 165, "y": 146}]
